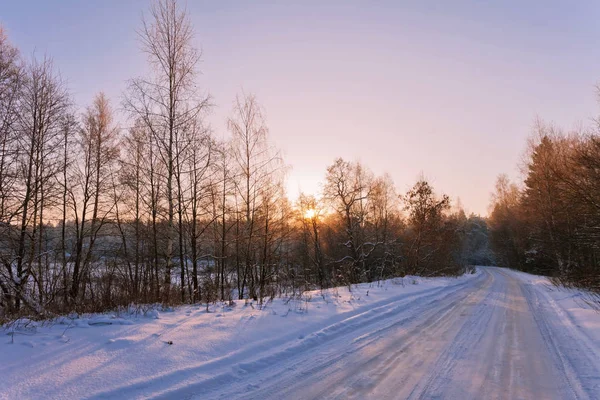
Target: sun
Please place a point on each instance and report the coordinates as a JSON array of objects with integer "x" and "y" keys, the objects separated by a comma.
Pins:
[{"x": 310, "y": 213}]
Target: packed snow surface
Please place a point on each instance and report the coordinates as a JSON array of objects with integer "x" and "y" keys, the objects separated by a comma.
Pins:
[{"x": 494, "y": 334}]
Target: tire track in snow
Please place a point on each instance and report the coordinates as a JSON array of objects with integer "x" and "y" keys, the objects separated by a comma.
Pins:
[
  {"x": 296, "y": 354},
  {"x": 572, "y": 352},
  {"x": 237, "y": 366},
  {"x": 312, "y": 372},
  {"x": 493, "y": 336},
  {"x": 498, "y": 354},
  {"x": 469, "y": 335},
  {"x": 437, "y": 325}
]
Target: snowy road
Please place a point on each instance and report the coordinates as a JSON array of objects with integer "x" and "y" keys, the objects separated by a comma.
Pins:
[
  {"x": 493, "y": 337},
  {"x": 498, "y": 334}
]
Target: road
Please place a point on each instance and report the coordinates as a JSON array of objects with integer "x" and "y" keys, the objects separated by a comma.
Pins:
[{"x": 493, "y": 337}]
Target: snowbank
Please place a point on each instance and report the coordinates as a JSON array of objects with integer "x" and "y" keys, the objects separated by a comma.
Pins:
[{"x": 131, "y": 355}]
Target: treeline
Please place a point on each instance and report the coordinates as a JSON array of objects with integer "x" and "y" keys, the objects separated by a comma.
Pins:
[
  {"x": 94, "y": 216},
  {"x": 550, "y": 224}
]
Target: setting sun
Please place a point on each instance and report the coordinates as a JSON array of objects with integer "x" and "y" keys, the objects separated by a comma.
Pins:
[{"x": 310, "y": 213}]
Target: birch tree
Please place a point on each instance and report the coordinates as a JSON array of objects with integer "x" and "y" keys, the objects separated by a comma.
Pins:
[
  {"x": 168, "y": 101},
  {"x": 42, "y": 108},
  {"x": 256, "y": 163},
  {"x": 91, "y": 200}
]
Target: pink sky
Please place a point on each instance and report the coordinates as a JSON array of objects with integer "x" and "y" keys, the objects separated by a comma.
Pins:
[{"x": 450, "y": 91}]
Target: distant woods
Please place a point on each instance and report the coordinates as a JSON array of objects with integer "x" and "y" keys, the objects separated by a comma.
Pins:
[
  {"x": 550, "y": 223},
  {"x": 95, "y": 216}
]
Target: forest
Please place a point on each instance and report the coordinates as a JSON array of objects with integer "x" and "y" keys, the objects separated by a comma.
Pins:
[
  {"x": 549, "y": 224},
  {"x": 136, "y": 201}
]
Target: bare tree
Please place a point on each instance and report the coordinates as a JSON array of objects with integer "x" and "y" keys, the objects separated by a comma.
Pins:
[
  {"x": 168, "y": 102},
  {"x": 256, "y": 164},
  {"x": 348, "y": 187},
  {"x": 224, "y": 189},
  {"x": 93, "y": 177},
  {"x": 385, "y": 224},
  {"x": 11, "y": 83},
  {"x": 199, "y": 216},
  {"x": 42, "y": 108},
  {"x": 131, "y": 177},
  {"x": 425, "y": 219},
  {"x": 310, "y": 213}
]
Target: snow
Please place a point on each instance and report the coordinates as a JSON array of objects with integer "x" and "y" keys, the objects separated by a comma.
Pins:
[
  {"x": 495, "y": 333},
  {"x": 580, "y": 307}
]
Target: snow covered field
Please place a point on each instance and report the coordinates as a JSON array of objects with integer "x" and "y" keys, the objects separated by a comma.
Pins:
[{"x": 494, "y": 334}]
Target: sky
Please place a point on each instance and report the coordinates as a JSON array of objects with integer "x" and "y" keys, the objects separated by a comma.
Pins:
[{"x": 445, "y": 89}]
